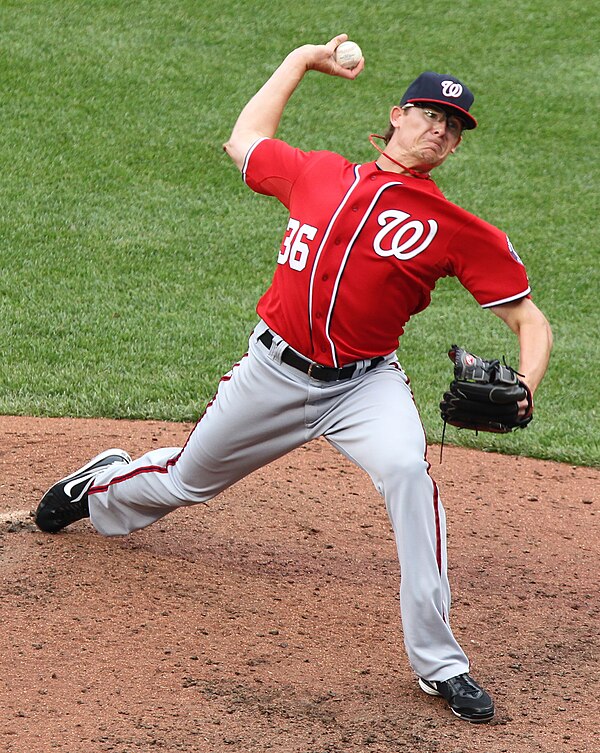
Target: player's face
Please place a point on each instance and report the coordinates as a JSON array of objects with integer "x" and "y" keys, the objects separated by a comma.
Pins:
[{"x": 425, "y": 135}]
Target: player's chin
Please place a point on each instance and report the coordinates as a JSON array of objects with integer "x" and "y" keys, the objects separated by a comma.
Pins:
[
  {"x": 433, "y": 155},
  {"x": 430, "y": 159}
]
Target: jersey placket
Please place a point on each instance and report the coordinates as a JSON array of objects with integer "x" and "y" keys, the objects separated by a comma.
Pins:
[
  {"x": 325, "y": 285},
  {"x": 330, "y": 264}
]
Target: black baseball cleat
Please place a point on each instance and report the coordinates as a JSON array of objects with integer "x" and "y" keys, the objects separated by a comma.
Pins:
[
  {"x": 67, "y": 500},
  {"x": 465, "y": 697}
]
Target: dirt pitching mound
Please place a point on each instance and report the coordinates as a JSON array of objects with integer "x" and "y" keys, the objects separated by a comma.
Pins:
[{"x": 269, "y": 619}]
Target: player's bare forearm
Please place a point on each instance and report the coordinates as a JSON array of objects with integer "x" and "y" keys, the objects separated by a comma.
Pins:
[
  {"x": 535, "y": 343},
  {"x": 535, "y": 338},
  {"x": 261, "y": 116}
]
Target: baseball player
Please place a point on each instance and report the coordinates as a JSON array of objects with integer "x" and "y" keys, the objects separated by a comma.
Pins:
[{"x": 362, "y": 250}]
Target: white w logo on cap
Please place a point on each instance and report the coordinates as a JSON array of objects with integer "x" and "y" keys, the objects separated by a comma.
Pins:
[{"x": 451, "y": 89}]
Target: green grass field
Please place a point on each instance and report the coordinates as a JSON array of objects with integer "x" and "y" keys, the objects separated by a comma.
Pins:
[{"x": 132, "y": 256}]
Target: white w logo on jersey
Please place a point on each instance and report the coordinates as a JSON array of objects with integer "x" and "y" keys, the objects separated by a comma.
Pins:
[{"x": 400, "y": 238}]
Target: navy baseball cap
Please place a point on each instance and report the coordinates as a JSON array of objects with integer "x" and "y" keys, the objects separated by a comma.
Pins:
[{"x": 444, "y": 90}]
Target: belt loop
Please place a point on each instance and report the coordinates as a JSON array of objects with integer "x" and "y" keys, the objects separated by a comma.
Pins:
[
  {"x": 361, "y": 367},
  {"x": 277, "y": 347}
]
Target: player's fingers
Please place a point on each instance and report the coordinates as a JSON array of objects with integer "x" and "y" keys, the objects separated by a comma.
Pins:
[
  {"x": 334, "y": 67},
  {"x": 355, "y": 71},
  {"x": 338, "y": 70},
  {"x": 322, "y": 58},
  {"x": 336, "y": 41}
]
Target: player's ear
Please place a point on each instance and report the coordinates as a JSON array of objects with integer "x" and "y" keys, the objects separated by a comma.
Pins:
[
  {"x": 395, "y": 114},
  {"x": 455, "y": 147}
]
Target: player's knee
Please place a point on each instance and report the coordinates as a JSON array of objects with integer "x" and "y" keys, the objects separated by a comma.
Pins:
[
  {"x": 187, "y": 497},
  {"x": 400, "y": 469},
  {"x": 189, "y": 493}
]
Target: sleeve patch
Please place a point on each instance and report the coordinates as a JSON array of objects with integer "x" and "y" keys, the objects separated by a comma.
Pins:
[{"x": 513, "y": 253}]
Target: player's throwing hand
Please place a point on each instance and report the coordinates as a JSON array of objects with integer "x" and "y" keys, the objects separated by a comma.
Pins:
[{"x": 323, "y": 58}]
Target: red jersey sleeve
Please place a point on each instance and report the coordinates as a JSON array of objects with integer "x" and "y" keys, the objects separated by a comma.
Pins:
[
  {"x": 486, "y": 263},
  {"x": 271, "y": 167}
]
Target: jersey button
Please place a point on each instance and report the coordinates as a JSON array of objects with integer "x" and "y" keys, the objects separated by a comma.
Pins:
[
  {"x": 338, "y": 241},
  {"x": 355, "y": 208},
  {"x": 325, "y": 277},
  {"x": 318, "y": 315},
  {"x": 373, "y": 177}
]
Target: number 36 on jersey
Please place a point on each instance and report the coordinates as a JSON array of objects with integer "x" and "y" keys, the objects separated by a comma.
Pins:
[{"x": 400, "y": 236}]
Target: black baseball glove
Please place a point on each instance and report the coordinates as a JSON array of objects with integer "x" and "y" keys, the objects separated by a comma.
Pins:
[{"x": 484, "y": 394}]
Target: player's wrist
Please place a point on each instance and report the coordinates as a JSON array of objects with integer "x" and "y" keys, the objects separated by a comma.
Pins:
[{"x": 301, "y": 60}]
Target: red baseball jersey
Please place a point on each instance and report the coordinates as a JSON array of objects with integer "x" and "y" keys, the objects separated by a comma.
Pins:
[{"x": 363, "y": 250}]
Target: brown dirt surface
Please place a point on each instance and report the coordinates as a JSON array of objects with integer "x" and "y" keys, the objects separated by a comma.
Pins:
[{"x": 268, "y": 620}]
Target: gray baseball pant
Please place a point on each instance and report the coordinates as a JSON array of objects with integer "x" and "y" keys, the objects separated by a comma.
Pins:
[{"x": 263, "y": 409}]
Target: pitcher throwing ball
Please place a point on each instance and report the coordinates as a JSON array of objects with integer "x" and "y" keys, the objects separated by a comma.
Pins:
[{"x": 362, "y": 250}]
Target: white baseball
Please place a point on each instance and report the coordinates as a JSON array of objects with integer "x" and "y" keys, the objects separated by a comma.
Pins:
[{"x": 348, "y": 54}]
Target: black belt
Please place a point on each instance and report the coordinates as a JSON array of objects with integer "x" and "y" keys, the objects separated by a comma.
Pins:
[{"x": 315, "y": 370}]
